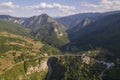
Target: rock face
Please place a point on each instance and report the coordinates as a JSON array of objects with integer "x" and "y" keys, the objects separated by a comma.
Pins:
[
  {"x": 86, "y": 59},
  {"x": 15, "y": 20},
  {"x": 47, "y": 29},
  {"x": 41, "y": 67},
  {"x": 37, "y": 21}
]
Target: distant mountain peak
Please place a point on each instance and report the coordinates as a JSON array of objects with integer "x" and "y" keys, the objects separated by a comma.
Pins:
[
  {"x": 45, "y": 15},
  {"x": 38, "y": 20}
]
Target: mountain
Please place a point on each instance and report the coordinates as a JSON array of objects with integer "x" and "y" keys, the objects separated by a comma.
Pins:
[
  {"x": 99, "y": 39},
  {"x": 42, "y": 27},
  {"x": 15, "y": 41},
  {"x": 37, "y": 21},
  {"x": 12, "y": 19},
  {"x": 72, "y": 33},
  {"x": 103, "y": 33},
  {"x": 73, "y": 20},
  {"x": 47, "y": 29},
  {"x": 6, "y": 26},
  {"x": 19, "y": 52},
  {"x": 93, "y": 48}
]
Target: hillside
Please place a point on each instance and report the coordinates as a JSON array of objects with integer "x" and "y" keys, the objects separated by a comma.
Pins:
[
  {"x": 76, "y": 19},
  {"x": 13, "y": 28},
  {"x": 93, "y": 50},
  {"x": 103, "y": 33},
  {"x": 73, "y": 20},
  {"x": 47, "y": 30},
  {"x": 42, "y": 27},
  {"x": 19, "y": 52},
  {"x": 73, "y": 68},
  {"x": 72, "y": 33},
  {"x": 16, "y": 20}
]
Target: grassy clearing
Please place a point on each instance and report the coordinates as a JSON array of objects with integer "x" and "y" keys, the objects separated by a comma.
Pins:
[{"x": 16, "y": 73}]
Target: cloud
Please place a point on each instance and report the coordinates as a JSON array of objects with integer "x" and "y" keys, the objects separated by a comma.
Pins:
[
  {"x": 102, "y": 6},
  {"x": 58, "y": 6},
  {"x": 63, "y": 7},
  {"x": 8, "y": 5},
  {"x": 6, "y": 11},
  {"x": 11, "y": 8}
]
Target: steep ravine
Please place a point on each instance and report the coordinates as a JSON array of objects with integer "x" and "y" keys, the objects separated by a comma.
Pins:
[
  {"x": 53, "y": 61},
  {"x": 49, "y": 69}
]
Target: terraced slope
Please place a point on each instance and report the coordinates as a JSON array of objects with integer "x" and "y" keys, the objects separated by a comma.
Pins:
[{"x": 19, "y": 52}]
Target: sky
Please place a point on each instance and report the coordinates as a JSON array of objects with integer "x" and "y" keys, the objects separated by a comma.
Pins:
[{"x": 55, "y": 8}]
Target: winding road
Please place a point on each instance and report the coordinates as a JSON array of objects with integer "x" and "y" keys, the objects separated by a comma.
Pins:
[
  {"x": 109, "y": 65},
  {"x": 16, "y": 65},
  {"x": 61, "y": 55}
]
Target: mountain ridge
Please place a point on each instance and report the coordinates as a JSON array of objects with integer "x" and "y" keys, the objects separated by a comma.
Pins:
[
  {"x": 100, "y": 34},
  {"x": 43, "y": 27},
  {"x": 95, "y": 37}
]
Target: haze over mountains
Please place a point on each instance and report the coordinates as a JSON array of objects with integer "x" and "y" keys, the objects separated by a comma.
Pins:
[{"x": 96, "y": 34}]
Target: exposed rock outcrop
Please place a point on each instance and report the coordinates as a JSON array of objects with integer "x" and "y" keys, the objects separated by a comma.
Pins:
[{"x": 42, "y": 66}]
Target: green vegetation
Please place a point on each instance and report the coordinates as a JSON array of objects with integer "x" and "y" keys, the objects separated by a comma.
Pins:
[
  {"x": 13, "y": 28},
  {"x": 21, "y": 49},
  {"x": 103, "y": 33},
  {"x": 28, "y": 64},
  {"x": 49, "y": 50},
  {"x": 72, "y": 68},
  {"x": 16, "y": 45},
  {"x": 113, "y": 73},
  {"x": 35, "y": 63},
  {"x": 4, "y": 47},
  {"x": 47, "y": 30},
  {"x": 38, "y": 76},
  {"x": 15, "y": 73},
  {"x": 47, "y": 33},
  {"x": 21, "y": 52},
  {"x": 18, "y": 72}
]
